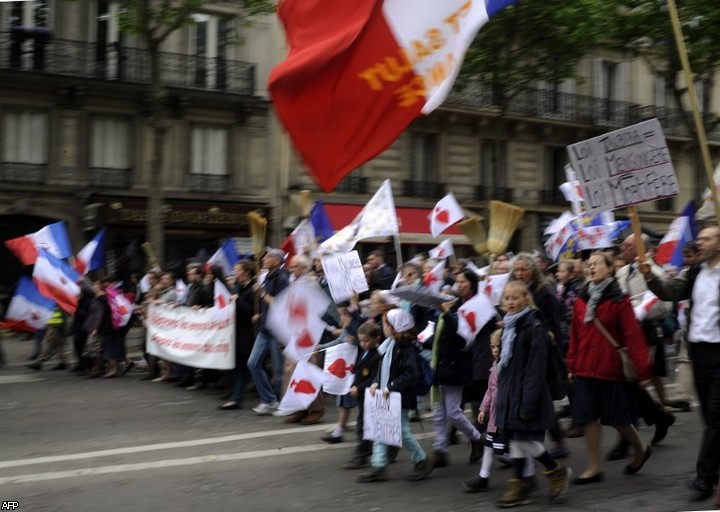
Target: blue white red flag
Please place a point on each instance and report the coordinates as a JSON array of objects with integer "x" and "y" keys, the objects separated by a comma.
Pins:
[
  {"x": 358, "y": 73},
  {"x": 56, "y": 280},
  {"x": 53, "y": 238},
  {"x": 28, "y": 310},
  {"x": 321, "y": 222},
  {"x": 92, "y": 256},
  {"x": 681, "y": 231},
  {"x": 225, "y": 257}
]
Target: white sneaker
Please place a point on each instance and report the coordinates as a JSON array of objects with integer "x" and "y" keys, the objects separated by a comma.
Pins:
[
  {"x": 263, "y": 409},
  {"x": 274, "y": 405},
  {"x": 281, "y": 414}
]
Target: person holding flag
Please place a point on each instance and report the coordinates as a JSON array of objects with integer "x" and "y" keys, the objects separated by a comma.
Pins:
[{"x": 53, "y": 342}]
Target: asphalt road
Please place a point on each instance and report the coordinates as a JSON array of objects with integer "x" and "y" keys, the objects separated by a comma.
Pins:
[{"x": 73, "y": 444}]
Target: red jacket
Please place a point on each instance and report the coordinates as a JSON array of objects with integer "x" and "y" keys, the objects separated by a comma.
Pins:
[{"x": 590, "y": 354}]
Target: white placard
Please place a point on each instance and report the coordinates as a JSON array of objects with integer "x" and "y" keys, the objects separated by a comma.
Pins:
[
  {"x": 625, "y": 167},
  {"x": 382, "y": 421},
  {"x": 192, "y": 337},
  {"x": 345, "y": 275}
]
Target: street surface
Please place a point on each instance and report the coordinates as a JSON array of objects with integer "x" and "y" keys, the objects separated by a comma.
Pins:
[{"x": 72, "y": 444}]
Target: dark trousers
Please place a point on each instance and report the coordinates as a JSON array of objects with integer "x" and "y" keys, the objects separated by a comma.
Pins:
[
  {"x": 79, "y": 339},
  {"x": 706, "y": 365}
]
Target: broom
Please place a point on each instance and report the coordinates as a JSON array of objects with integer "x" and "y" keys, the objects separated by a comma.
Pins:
[
  {"x": 504, "y": 219},
  {"x": 151, "y": 256},
  {"x": 258, "y": 227},
  {"x": 474, "y": 230}
]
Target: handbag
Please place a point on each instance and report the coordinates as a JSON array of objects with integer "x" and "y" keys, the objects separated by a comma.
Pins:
[{"x": 628, "y": 367}]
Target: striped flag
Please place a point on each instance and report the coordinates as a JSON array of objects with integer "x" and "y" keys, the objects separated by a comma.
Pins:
[
  {"x": 53, "y": 238},
  {"x": 56, "y": 280},
  {"x": 92, "y": 256}
]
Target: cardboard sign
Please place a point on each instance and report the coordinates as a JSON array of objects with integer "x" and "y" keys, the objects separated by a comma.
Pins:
[
  {"x": 625, "y": 167},
  {"x": 382, "y": 421},
  {"x": 345, "y": 275}
]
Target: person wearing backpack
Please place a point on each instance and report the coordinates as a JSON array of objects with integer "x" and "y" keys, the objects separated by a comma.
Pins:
[
  {"x": 524, "y": 405},
  {"x": 452, "y": 365},
  {"x": 601, "y": 394}
]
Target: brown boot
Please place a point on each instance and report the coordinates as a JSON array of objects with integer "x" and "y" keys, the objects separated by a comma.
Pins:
[
  {"x": 515, "y": 494},
  {"x": 112, "y": 369},
  {"x": 312, "y": 418}
]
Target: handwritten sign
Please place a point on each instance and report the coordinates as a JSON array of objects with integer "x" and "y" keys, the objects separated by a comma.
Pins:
[
  {"x": 382, "y": 421},
  {"x": 624, "y": 167},
  {"x": 345, "y": 275}
]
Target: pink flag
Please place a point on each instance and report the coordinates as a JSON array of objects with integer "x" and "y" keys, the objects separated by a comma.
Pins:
[
  {"x": 435, "y": 278},
  {"x": 447, "y": 212},
  {"x": 120, "y": 307},
  {"x": 305, "y": 384},
  {"x": 339, "y": 367},
  {"x": 443, "y": 250},
  {"x": 473, "y": 315},
  {"x": 293, "y": 309}
]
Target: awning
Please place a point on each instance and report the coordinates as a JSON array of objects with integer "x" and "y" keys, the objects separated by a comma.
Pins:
[{"x": 414, "y": 224}]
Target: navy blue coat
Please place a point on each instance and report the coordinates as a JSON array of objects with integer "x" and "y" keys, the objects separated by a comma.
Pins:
[
  {"x": 404, "y": 373},
  {"x": 523, "y": 397},
  {"x": 454, "y": 360}
]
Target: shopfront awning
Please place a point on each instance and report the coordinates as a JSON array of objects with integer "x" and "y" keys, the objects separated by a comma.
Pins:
[{"x": 414, "y": 224}]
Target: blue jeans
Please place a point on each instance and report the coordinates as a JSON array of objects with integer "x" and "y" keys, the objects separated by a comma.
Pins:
[
  {"x": 238, "y": 386},
  {"x": 417, "y": 454},
  {"x": 264, "y": 344}
]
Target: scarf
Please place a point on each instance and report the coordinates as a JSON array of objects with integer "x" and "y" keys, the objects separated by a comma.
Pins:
[
  {"x": 596, "y": 291},
  {"x": 386, "y": 350},
  {"x": 508, "y": 335}
]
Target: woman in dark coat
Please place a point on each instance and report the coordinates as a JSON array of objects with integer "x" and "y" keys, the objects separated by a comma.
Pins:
[
  {"x": 244, "y": 332},
  {"x": 453, "y": 364}
]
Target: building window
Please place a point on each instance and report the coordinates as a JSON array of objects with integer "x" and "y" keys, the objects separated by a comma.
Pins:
[
  {"x": 556, "y": 159},
  {"x": 111, "y": 148},
  {"x": 493, "y": 171},
  {"x": 25, "y": 137},
  {"x": 209, "y": 151},
  {"x": 609, "y": 87},
  {"x": 424, "y": 157},
  {"x": 209, "y": 40}
]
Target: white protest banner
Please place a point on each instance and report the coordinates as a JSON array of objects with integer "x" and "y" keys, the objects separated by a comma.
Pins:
[
  {"x": 382, "y": 421},
  {"x": 192, "y": 337},
  {"x": 345, "y": 275},
  {"x": 625, "y": 167}
]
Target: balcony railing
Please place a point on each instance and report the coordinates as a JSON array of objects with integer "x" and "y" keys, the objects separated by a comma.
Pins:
[
  {"x": 553, "y": 105},
  {"x": 109, "y": 178},
  {"x": 208, "y": 182},
  {"x": 13, "y": 172},
  {"x": 483, "y": 193},
  {"x": 413, "y": 188},
  {"x": 112, "y": 62},
  {"x": 353, "y": 185}
]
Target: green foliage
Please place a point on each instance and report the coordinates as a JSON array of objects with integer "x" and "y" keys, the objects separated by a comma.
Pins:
[{"x": 536, "y": 40}]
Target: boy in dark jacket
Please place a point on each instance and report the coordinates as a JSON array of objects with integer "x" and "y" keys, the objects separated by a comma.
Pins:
[{"x": 366, "y": 367}]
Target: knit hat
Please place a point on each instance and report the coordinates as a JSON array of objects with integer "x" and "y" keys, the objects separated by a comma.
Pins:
[{"x": 400, "y": 320}]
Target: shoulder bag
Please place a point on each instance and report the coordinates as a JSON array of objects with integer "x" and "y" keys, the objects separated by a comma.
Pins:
[{"x": 628, "y": 367}]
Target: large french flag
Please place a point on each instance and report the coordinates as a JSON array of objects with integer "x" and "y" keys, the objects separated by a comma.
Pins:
[
  {"x": 225, "y": 257},
  {"x": 53, "y": 238},
  {"x": 28, "y": 309},
  {"x": 57, "y": 280},
  {"x": 92, "y": 256},
  {"x": 681, "y": 231},
  {"x": 358, "y": 73}
]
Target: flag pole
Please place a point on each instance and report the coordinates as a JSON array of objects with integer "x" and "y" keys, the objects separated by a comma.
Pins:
[
  {"x": 692, "y": 95},
  {"x": 637, "y": 231},
  {"x": 398, "y": 251}
]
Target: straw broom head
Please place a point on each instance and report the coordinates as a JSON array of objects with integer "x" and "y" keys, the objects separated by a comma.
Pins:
[
  {"x": 150, "y": 254},
  {"x": 474, "y": 230},
  {"x": 258, "y": 227},
  {"x": 504, "y": 220},
  {"x": 305, "y": 203}
]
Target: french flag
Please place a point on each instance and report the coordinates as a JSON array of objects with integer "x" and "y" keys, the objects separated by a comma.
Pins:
[
  {"x": 92, "y": 256},
  {"x": 300, "y": 240},
  {"x": 321, "y": 222},
  {"x": 53, "y": 238},
  {"x": 56, "y": 280},
  {"x": 358, "y": 73},
  {"x": 681, "y": 231},
  {"x": 28, "y": 309},
  {"x": 226, "y": 257}
]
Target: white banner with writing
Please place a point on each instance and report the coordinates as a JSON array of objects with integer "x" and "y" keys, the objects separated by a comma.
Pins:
[
  {"x": 192, "y": 337},
  {"x": 345, "y": 275},
  {"x": 382, "y": 421},
  {"x": 625, "y": 167}
]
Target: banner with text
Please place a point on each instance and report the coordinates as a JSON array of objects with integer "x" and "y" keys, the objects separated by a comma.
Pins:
[
  {"x": 625, "y": 167},
  {"x": 192, "y": 337},
  {"x": 382, "y": 421}
]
